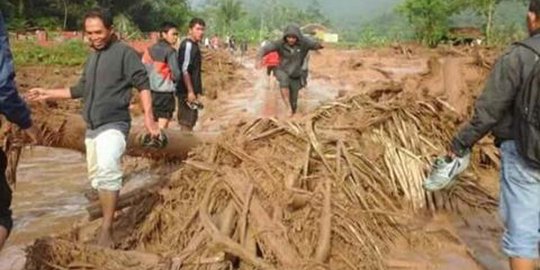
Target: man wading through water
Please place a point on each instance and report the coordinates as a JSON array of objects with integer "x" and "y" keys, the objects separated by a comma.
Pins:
[
  {"x": 509, "y": 108},
  {"x": 162, "y": 66},
  {"x": 292, "y": 50},
  {"x": 189, "y": 88},
  {"x": 111, "y": 71},
  {"x": 15, "y": 110}
]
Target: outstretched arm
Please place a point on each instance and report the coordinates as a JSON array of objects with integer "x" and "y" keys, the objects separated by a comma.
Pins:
[
  {"x": 76, "y": 91},
  {"x": 313, "y": 44}
]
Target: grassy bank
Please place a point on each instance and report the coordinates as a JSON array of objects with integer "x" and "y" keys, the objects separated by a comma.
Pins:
[{"x": 69, "y": 53}]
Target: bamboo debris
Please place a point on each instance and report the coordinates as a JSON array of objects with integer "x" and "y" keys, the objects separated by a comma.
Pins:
[{"x": 303, "y": 195}]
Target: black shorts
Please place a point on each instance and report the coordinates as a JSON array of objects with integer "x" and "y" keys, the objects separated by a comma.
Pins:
[
  {"x": 6, "y": 220},
  {"x": 163, "y": 105},
  {"x": 293, "y": 84},
  {"x": 187, "y": 117}
]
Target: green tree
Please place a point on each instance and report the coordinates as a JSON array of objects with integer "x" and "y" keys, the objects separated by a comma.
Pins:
[
  {"x": 68, "y": 14},
  {"x": 228, "y": 12},
  {"x": 487, "y": 9},
  {"x": 430, "y": 18}
]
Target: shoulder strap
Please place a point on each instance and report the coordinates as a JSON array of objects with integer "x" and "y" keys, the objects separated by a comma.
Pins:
[{"x": 533, "y": 44}]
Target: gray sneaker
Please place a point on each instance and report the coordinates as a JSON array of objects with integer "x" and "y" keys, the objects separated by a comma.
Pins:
[{"x": 445, "y": 170}]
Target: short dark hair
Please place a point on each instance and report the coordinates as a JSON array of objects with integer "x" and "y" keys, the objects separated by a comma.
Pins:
[
  {"x": 534, "y": 7},
  {"x": 167, "y": 26},
  {"x": 104, "y": 15},
  {"x": 196, "y": 21}
]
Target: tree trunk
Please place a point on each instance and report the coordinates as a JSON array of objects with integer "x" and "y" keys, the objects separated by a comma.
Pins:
[
  {"x": 489, "y": 23},
  {"x": 21, "y": 8},
  {"x": 65, "y": 14},
  {"x": 69, "y": 131}
]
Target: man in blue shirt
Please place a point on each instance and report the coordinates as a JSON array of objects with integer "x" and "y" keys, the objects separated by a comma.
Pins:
[{"x": 15, "y": 110}]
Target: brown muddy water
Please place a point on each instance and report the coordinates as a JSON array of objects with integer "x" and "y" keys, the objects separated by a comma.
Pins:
[{"x": 49, "y": 198}]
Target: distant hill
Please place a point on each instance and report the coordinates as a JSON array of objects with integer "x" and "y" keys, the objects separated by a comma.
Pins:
[{"x": 342, "y": 13}]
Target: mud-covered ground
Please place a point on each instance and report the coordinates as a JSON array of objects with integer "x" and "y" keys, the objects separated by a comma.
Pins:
[{"x": 237, "y": 93}]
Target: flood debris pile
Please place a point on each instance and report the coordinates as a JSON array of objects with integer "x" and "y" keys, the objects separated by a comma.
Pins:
[
  {"x": 218, "y": 73},
  {"x": 335, "y": 191}
]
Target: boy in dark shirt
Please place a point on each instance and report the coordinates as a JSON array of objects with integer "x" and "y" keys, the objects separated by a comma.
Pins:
[{"x": 189, "y": 88}]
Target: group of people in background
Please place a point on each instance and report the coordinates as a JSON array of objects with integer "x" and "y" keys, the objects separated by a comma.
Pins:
[{"x": 176, "y": 73}]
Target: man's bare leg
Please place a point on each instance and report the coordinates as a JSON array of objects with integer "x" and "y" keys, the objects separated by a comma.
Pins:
[
  {"x": 3, "y": 236},
  {"x": 285, "y": 97},
  {"x": 108, "y": 200},
  {"x": 522, "y": 264},
  {"x": 185, "y": 128},
  {"x": 163, "y": 123}
]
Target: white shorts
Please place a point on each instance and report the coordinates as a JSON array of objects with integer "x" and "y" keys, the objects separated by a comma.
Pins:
[{"x": 104, "y": 159}]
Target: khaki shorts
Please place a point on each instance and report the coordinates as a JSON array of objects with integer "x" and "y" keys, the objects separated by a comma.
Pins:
[{"x": 104, "y": 159}]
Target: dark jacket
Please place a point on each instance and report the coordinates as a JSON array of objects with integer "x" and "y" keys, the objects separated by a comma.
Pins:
[
  {"x": 292, "y": 58},
  {"x": 494, "y": 109},
  {"x": 190, "y": 60},
  {"x": 161, "y": 64},
  {"x": 106, "y": 83},
  {"x": 11, "y": 104}
]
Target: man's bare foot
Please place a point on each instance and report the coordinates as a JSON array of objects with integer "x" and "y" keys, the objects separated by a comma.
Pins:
[{"x": 105, "y": 238}]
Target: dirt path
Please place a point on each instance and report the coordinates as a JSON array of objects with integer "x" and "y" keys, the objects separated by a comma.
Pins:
[{"x": 255, "y": 95}]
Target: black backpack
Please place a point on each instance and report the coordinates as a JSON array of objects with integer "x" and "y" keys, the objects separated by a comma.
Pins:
[{"x": 527, "y": 109}]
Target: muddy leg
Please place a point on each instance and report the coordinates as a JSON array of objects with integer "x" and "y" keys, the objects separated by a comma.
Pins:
[
  {"x": 3, "y": 236},
  {"x": 285, "y": 97},
  {"x": 269, "y": 103},
  {"x": 293, "y": 99},
  {"x": 185, "y": 128},
  {"x": 163, "y": 123},
  {"x": 6, "y": 222},
  {"x": 106, "y": 151},
  {"x": 108, "y": 200},
  {"x": 521, "y": 264},
  {"x": 285, "y": 86}
]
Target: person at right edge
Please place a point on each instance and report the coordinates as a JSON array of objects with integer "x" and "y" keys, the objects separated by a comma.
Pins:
[
  {"x": 292, "y": 49},
  {"x": 499, "y": 110},
  {"x": 189, "y": 87},
  {"x": 15, "y": 110}
]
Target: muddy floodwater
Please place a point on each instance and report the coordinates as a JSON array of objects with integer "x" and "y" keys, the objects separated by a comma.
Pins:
[
  {"x": 49, "y": 193},
  {"x": 48, "y": 198}
]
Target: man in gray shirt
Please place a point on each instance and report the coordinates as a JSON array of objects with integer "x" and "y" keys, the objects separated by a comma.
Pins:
[{"x": 112, "y": 69}]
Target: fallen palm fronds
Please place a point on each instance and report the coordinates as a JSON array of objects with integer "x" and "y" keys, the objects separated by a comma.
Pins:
[{"x": 332, "y": 192}]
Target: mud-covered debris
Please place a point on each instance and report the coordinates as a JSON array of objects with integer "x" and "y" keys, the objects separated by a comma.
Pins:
[{"x": 335, "y": 191}]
